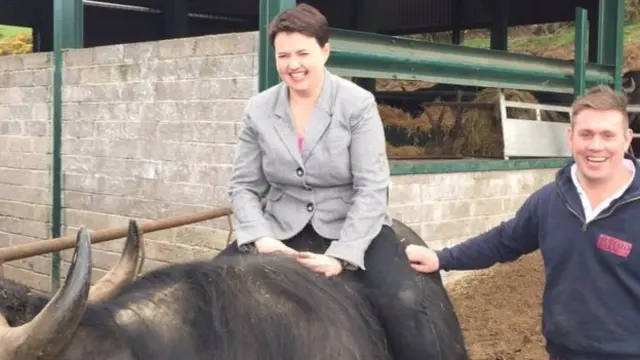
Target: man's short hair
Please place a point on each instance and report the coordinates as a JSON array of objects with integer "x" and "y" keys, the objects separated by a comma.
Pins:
[
  {"x": 304, "y": 19},
  {"x": 601, "y": 97}
]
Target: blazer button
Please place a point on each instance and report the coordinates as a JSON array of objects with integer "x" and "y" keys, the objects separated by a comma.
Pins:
[
  {"x": 299, "y": 171},
  {"x": 310, "y": 207}
]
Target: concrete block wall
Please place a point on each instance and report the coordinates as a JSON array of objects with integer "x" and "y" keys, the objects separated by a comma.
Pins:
[
  {"x": 25, "y": 136},
  {"x": 148, "y": 133},
  {"x": 446, "y": 209},
  {"x": 451, "y": 207}
]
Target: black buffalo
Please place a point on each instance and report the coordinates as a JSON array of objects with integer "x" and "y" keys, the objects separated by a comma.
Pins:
[{"x": 231, "y": 308}]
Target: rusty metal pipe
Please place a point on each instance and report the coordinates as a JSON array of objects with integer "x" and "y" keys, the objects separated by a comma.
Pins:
[{"x": 41, "y": 247}]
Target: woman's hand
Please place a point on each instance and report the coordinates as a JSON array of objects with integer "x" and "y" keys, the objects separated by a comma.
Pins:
[
  {"x": 320, "y": 263},
  {"x": 269, "y": 245}
]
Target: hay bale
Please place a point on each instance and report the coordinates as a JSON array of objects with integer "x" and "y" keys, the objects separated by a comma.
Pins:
[
  {"x": 406, "y": 150},
  {"x": 394, "y": 117},
  {"x": 482, "y": 131},
  {"x": 401, "y": 129},
  {"x": 440, "y": 116},
  {"x": 437, "y": 132},
  {"x": 427, "y": 134}
]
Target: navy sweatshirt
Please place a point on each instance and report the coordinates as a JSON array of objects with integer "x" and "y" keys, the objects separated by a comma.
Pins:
[{"x": 591, "y": 301}]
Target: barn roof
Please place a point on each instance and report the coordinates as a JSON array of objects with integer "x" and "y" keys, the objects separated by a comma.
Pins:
[{"x": 104, "y": 25}]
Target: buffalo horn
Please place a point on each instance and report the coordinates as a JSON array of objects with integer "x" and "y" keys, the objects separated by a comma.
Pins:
[
  {"x": 123, "y": 272},
  {"x": 44, "y": 336}
]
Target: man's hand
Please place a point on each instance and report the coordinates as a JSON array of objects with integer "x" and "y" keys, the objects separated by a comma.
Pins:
[
  {"x": 422, "y": 258},
  {"x": 320, "y": 263},
  {"x": 268, "y": 245}
]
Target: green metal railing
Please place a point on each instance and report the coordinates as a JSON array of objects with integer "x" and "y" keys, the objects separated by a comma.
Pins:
[
  {"x": 368, "y": 55},
  {"x": 378, "y": 56}
]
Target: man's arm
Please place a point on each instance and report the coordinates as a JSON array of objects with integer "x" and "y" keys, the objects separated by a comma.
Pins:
[
  {"x": 371, "y": 179},
  {"x": 505, "y": 242},
  {"x": 247, "y": 185}
]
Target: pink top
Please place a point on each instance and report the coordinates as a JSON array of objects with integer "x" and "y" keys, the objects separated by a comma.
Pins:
[{"x": 300, "y": 141}]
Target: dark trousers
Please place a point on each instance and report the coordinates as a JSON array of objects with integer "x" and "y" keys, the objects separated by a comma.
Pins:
[{"x": 393, "y": 285}]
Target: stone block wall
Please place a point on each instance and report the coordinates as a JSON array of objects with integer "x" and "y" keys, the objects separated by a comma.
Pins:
[
  {"x": 446, "y": 209},
  {"x": 25, "y": 136},
  {"x": 451, "y": 207},
  {"x": 148, "y": 133}
]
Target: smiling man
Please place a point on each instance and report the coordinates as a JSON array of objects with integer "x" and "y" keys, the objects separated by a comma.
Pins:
[{"x": 587, "y": 225}]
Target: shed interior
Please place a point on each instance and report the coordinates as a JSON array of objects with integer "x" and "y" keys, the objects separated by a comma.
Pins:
[{"x": 124, "y": 21}]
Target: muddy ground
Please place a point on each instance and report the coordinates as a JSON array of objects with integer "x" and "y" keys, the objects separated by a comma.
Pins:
[{"x": 500, "y": 310}]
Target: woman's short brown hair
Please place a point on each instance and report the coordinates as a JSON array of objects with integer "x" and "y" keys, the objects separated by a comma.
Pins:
[
  {"x": 304, "y": 19},
  {"x": 601, "y": 97}
]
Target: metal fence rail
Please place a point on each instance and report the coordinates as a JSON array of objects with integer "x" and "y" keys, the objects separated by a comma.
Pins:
[{"x": 41, "y": 247}]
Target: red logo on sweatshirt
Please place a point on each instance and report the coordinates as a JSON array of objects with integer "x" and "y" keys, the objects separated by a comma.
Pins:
[{"x": 614, "y": 246}]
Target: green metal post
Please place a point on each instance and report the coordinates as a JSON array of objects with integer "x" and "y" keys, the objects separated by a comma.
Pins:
[
  {"x": 67, "y": 33},
  {"x": 580, "y": 53},
  {"x": 619, "y": 47},
  {"x": 611, "y": 37},
  {"x": 268, "y": 75}
]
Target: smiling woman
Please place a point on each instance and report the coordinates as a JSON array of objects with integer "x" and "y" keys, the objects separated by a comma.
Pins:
[
  {"x": 315, "y": 144},
  {"x": 301, "y": 42}
]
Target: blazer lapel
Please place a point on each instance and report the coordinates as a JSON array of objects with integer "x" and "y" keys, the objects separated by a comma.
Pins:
[
  {"x": 321, "y": 117},
  {"x": 284, "y": 124}
]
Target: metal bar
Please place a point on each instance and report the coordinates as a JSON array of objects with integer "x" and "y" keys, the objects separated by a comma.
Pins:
[
  {"x": 420, "y": 94},
  {"x": 359, "y": 54},
  {"x": 114, "y": 6},
  {"x": 67, "y": 242},
  {"x": 145, "y": 9},
  {"x": 580, "y": 52},
  {"x": 268, "y": 76},
  {"x": 533, "y": 106}
]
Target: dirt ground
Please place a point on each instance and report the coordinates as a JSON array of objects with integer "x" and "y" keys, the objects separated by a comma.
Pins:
[{"x": 500, "y": 310}]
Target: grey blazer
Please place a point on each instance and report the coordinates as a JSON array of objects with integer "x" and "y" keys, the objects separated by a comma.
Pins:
[{"x": 339, "y": 182}]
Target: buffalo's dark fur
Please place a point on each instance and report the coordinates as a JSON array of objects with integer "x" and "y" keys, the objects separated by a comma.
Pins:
[
  {"x": 250, "y": 307},
  {"x": 257, "y": 307},
  {"x": 18, "y": 303}
]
